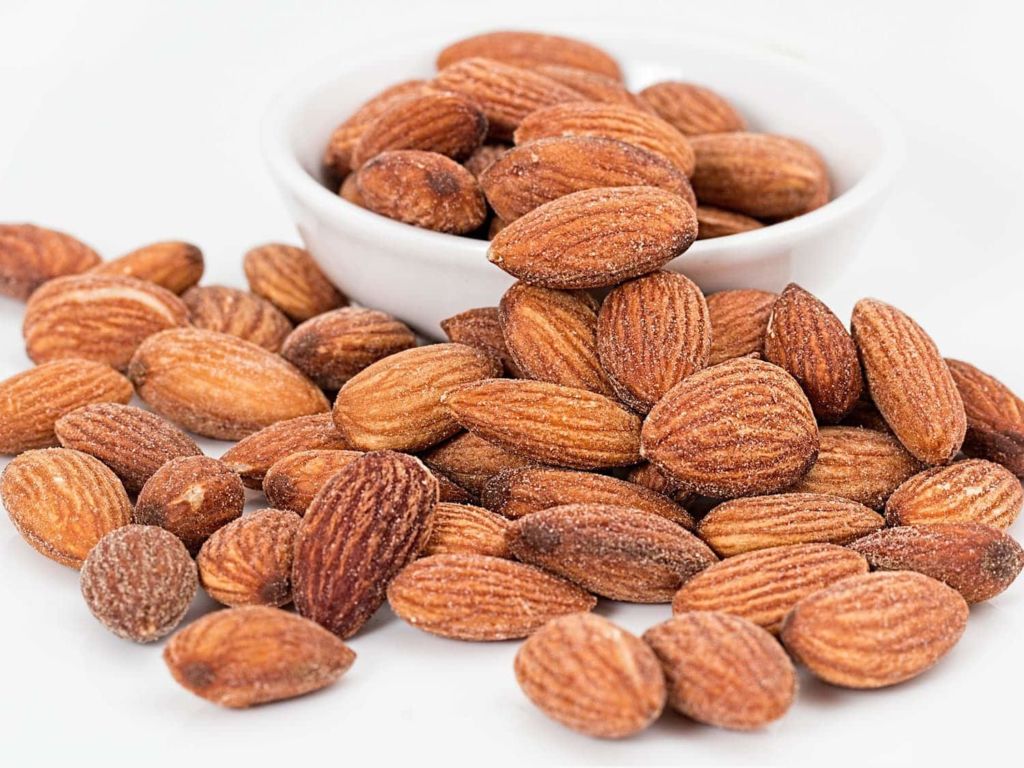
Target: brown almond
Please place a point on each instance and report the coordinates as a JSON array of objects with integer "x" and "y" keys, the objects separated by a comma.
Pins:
[
  {"x": 717, "y": 222},
  {"x": 450, "y": 492},
  {"x": 349, "y": 190},
  {"x": 293, "y": 481},
  {"x": 482, "y": 158},
  {"x": 971, "y": 491},
  {"x": 995, "y": 417},
  {"x": 173, "y": 264},
  {"x": 288, "y": 278},
  {"x": 471, "y": 461},
  {"x": 739, "y": 321},
  {"x": 475, "y": 597},
  {"x": 464, "y": 529},
  {"x": 237, "y": 313},
  {"x": 593, "y": 86},
  {"x": 865, "y": 415},
  {"x": 480, "y": 328},
  {"x": 531, "y": 49},
  {"x": 31, "y": 255},
  {"x": 649, "y": 476},
  {"x": 692, "y": 109}
]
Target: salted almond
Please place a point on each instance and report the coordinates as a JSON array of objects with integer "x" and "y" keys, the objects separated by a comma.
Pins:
[
  {"x": 995, "y": 417},
  {"x": 349, "y": 190},
  {"x": 482, "y": 157},
  {"x": 464, "y": 529},
  {"x": 450, "y": 492},
  {"x": 531, "y": 49},
  {"x": 649, "y": 476},
  {"x": 288, "y": 278},
  {"x": 971, "y": 491},
  {"x": 471, "y": 461},
  {"x": 31, "y": 255},
  {"x": 173, "y": 264},
  {"x": 293, "y": 481},
  {"x": 739, "y": 321},
  {"x": 480, "y": 328},
  {"x": 717, "y": 222},
  {"x": 865, "y": 415},
  {"x": 692, "y": 109},
  {"x": 237, "y": 313},
  {"x": 593, "y": 86}
]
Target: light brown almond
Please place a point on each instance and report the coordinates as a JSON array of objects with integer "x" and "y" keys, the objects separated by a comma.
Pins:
[
  {"x": 717, "y": 222},
  {"x": 652, "y": 478},
  {"x": 471, "y": 461},
  {"x": 464, "y": 529},
  {"x": 531, "y": 49},
  {"x": 31, "y": 255},
  {"x": 293, "y": 481},
  {"x": 237, "y": 313},
  {"x": 480, "y": 328},
  {"x": 482, "y": 158},
  {"x": 739, "y": 321},
  {"x": 692, "y": 109},
  {"x": 971, "y": 491},
  {"x": 288, "y": 278},
  {"x": 995, "y": 417},
  {"x": 593, "y": 86},
  {"x": 173, "y": 264}
]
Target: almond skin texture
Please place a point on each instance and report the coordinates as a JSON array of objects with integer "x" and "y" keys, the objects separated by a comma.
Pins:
[
  {"x": 548, "y": 423},
  {"x": 31, "y": 402},
  {"x": 762, "y": 586},
  {"x": 595, "y": 238},
  {"x": 875, "y": 630},
  {"x": 610, "y": 121},
  {"x": 288, "y": 278},
  {"x": 139, "y": 582},
  {"x": 173, "y": 265},
  {"x": 475, "y": 597},
  {"x": 252, "y": 655},
  {"x": 333, "y": 347},
  {"x": 806, "y": 339},
  {"x": 395, "y": 404},
  {"x": 739, "y": 321},
  {"x": 530, "y": 175},
  {"x": 531, "y": 49},
  {"x": 249, "y": 561},
  {"x": 740, "y": 428},
  {"x": 652, "y": 478},
  {"x": 480, "y": 328},
  {"x": 369, "y": 520},
  {"x": 192, "y": 497},
  {"x": 593, "y": 86},
  {"x": 909, "y": 382},
  {"x": 463, "y": 529},
  {"x": 723, "y": 670},
  {"x": 592, "y": 676},
  {"x": 31, "y": 255},
  {"x": 471, "y": 461},
  {"x": 521, "y": 492},
  {"x": 692, "y": 109},
  {"x": 448, "y": 491},
  {"x": 219, "y": 386},
  {"x": 62, "y": 502},
  {"x": 292, "y": 482},
  {"x": 995, "y": 417},
  {"x": 253, "y": 456},
  {"x": 759, "y": 522},
  {"x": 97, "y": 318},
  {"x": 132, "y": 442},
  {"x": 717, "y": 222},
  {"x": 552, "y": 336},
  {"x": 612, "y": 551},
  {"x": 862, "y": 465},
  {"x": 972, "y": 491},
  {"x": 652, "y": 333},
  {"x": 482, "y": 158},
  {"x": 237, "y": 313}
]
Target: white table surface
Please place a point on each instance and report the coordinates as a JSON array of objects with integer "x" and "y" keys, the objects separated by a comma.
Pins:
[{"x": 129, "y": 122}]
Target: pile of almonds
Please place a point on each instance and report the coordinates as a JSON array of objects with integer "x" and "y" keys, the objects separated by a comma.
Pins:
[{"x": 798, "y": 493}]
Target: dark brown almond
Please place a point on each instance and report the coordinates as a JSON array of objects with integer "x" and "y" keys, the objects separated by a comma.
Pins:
[
  {"x": 717, "y": 222},
  {"x": 692, "y": 109},
  {"x": 531, "y": 49},
  {"x": 288, "y": 278},
  {"x": 172, "y": 264},
  {"x": 471, "y": 461},
  {"x": 349, "y": 190},
  {"x": 449, "y": 492},
  {"x": 480, "y": 328},
  {"x": 995, "y": 417},
  {"x": 739, "y": 320},
  {"x": 463, "y": 529},
  {"x": 31, "y": 255},
  {"x": 294, "y": 480},
  {"x": 971, "y": 491},
  {"x": 238, "y": 313}
]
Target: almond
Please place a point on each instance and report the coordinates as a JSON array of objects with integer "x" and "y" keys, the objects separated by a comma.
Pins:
[
  {"x": 422, "y": 188},
  {"x": 909, "y": 382},
  {"x": 366, "y": 523},
  {"x": 692, "y": 109},
  {"x": 97, "y": 317},
  {"x": 449, "y": 492},
  {"x": 739, "y": 321},
  {"x": 480, "y": 328},
  {"x": 475, "y": 597},
  {"x": 593, "y": 86},
  {"x": 530, "y": 175},
  {"x": 723, "y": 670},
  {"x": 482, "y": 158},
  {"x": 652, "y": 478},
  {"x": 293, "y": 481},
  {"x": 31, "y": 255},
  {"x": 463, "y": 529},
  {"x": 531, "y": 49},
  {"x": 62, "y": 502},
  {"x": 865, "y": 414},
  {"x": 31, "y": 402},
  {"x": 249, "y": 561},
  {"x": 547, "y": 423},
  {"x": 592, "y": 676},
  {"x": 288, "y": 278},
  {"x": 995, "y": 417},
  {"x": 717, "y": 222},
  {"x": 612, "y": 551},
  {"x": 349, "y": 190},
  {"x": 253, "y": 655},
  {"x": 875, "y": 630},
  {"x": 218, "y": 385},
  {"x": 652, "y": 333},
  {"x": 759, "y": 522},
  {"x": 471, "y": 461},
  {"x": 762, "y": 586},
  {"x": 173, "y": 265},
  {"x": 739, "y": 428},
  {"x": 132, "y": 442},
  {"x": 972, "y": 491},
  {"x": 238, "y": 313},
  {"x": 595, "y": 238},
  {"x": 395, "y": 403}
]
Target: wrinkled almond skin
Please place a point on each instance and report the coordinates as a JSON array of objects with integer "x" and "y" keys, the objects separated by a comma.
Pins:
[
  {"x": 475, "y": 597},
  {"x": 97, "y": 317},
  {"x": 717, "y": 222},
  {"x": 464, "y": 529},
  {"x": 591, "y": 676},
  {"x": 349, "y": 190},
  {"x": 548, "y": 423},
  {"x": 692, "y": 109},
  {"x": 909, "y": 382},
  {"x": 695, "y": 431},
  {"x": 395, "y": 404},
  {"x": 31, "y": 255},
  {"x": 218, "y": 385},
  {"x": 595, "y": 238},
  {"x": 723, "y": 670},
  {"x": 760, "y": 522},
  {"x": 288, "y": 278},
  {"x": 865, "y": 415},
  {"x": 240, "y": 657},
  {"x": 739, "y": 321},
  {"x": 31, "y": 402},
  {"x": 471, "y": 461},
  {"x": 530, "y": 175},
  {"x": 652, "y": 478},
  {"x": 132, "y": 442},
  {"x": 593, "y": 86},
  {"x": 451, "y": 492},
  {"x": 173, "y": 264},
  {"x": 995, "y": 417},
  {"x": 652, "y": 333},
  {"x": 971, "y": 491},
  {"x": 292, "y": 482},
  {"x": 481, "y": 328},
  {"x": 613, "y": 551},
  {"x": 366, "y": 523},
  {"x": 249, "y": 560},
  {"x": 333, "y": 347},
  {"x": 482, "y": 158},
  {"x": 531, "y": 49},
  {"x": 806, "y": 339},
  {"x": 62, "y": 502},
  {"x": 875, "y": 630},
  {"x": 237, "y": 313},
  {"x": 762, "y": 586}
]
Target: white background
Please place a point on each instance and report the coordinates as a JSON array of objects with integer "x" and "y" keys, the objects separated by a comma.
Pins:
[{"x": 129, "y": 122}]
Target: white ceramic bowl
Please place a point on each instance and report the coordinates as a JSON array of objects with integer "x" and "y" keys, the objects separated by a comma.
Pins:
[{"x": 423, "y": 277}]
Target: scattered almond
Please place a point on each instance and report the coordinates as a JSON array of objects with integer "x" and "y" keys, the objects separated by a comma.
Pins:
[
  {"x": 471, "y": 461},
  {"x": 480, "y": 328},
  {"x": 972, "y": 491},
  {"x": 692, "y": 109},
  {"x": 463, "y": 529},
  {"x": 31, "y": 255},
  {"x": 293, "y": 481},
  {"x": 739, "y": 321},
  {"x": 717, "y": 222},
  {"x": 995, "y": 417},
  {"x": 482, "y": 158},
  {"x": 237, "y": 313},
  {"x": 174, "y": 265},
  {"x": 593, "y": 86},
  {"x": 288, "y": 278}
]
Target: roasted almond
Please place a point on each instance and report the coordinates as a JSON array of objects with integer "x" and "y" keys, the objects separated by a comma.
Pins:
[
  {"x": 475, "y": 597},
  {"x": 739, "y": 321},
  {"x": 464, "y": 529},
  {"x": 288, "y": 278},
  {"x": 531, "y": 49},
  {"x": 31, "y": 255},
  {"x": 471, "y": 461},
  {"x": 717, "y": 222},
  {"x": 482, "y": 158},
  {"x": 172, "y": 264},
  {"x": 480, "y": 328},
  {"x": 971, "y": 491},
  {"x": 450, "y": 492},
  {"x": 865, "y": 415},
  {"x": 349, "y": 190},
  {"x": 237, "y": 313},
  {"x": 692, "y": 109},
  {"x": 294, "y": 480},
  {"x": 995, "y": 417},
  {"x": 652, "y": 478},
  {"x": 593, "y": 86}
]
